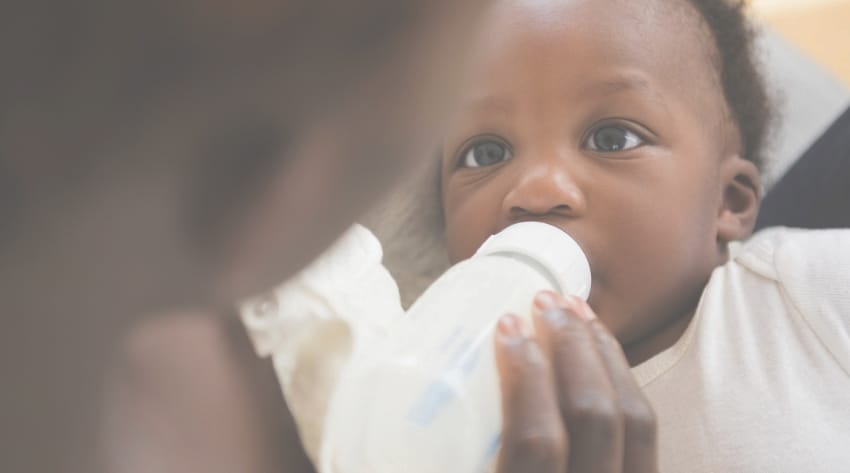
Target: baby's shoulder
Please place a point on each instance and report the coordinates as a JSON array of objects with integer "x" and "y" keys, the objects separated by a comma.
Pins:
[
  {"x": 812, "y": 269},
  {"x": 799, "y": 256}
]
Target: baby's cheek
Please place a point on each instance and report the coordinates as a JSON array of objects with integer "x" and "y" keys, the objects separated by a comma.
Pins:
[
  {"x": 461, "y": 240},
  {"x": 469, "y": 221}
]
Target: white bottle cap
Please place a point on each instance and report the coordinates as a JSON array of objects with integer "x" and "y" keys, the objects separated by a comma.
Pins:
[{"x": 548, "y": 246}]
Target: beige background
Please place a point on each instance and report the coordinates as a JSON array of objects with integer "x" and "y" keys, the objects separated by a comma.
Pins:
[{"x": 821, "y": 28}]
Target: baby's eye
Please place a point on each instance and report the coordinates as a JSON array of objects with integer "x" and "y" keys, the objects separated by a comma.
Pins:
[
  {"x": 611, "y": 138},
  {"x": 485, "y": 153}
]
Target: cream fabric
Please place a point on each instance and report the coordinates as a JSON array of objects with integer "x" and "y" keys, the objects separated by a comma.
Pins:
[
  {"x": 760, "y": 382},
  {"x": 311, "y": 325}
]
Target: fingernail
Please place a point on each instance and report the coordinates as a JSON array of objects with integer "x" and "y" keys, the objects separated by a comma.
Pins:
[
  {"x": 546, "y": 301},
  {"x": 548, "y": 307},
  {"x": 581, "y": 308},
  {"x": 509, "y": 329}
]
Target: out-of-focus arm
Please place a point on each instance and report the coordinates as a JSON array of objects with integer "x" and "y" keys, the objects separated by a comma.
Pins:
[{"x": 187, "y": 393}]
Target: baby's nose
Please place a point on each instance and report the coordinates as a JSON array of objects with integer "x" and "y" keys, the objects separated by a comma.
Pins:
[{"x": 542, "y": 192}]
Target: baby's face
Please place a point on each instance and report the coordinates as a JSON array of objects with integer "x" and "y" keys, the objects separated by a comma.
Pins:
[{"x": 604, "y": 118}]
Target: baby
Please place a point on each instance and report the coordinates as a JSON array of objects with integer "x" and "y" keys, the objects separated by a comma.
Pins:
[{"x": 638, "y": 128}]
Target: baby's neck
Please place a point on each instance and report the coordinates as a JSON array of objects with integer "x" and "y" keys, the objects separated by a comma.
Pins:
[{"x": 645, "y": 348}]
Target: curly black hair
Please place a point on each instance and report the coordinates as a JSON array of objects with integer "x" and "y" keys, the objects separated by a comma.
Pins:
[{"x": 744, "y": 86}]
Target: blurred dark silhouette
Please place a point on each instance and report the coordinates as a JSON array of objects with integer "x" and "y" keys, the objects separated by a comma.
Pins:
[{"x": 181, "y": 154}]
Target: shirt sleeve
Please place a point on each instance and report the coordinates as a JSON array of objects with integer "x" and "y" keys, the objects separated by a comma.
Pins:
[{"x": 814, "y": 268}]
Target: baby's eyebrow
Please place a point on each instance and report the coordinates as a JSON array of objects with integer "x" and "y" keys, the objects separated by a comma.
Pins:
[
  {"x": 619, "y": 83},
  {"x": 491, "y": 104},
  {"x": 624, "y": 82}
]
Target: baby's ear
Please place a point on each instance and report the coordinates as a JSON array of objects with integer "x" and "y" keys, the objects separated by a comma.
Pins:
[{"x": 739, "y": 199}]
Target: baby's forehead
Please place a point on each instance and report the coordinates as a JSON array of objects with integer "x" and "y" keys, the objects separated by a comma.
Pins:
[
  {"x": 665, "y": 40},
  {"x": 651, "y": 28}
]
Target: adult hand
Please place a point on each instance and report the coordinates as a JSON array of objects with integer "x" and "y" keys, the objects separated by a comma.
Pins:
[{"x": 569, "y": 401}]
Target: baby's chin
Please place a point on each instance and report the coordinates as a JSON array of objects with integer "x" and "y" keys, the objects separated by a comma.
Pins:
[
  {"x": 605, "y": 309},
  {"x": 626, "y": 320}
]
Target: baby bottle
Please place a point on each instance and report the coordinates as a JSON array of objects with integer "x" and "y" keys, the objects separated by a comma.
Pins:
[{"x": 426, "y": 398}]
